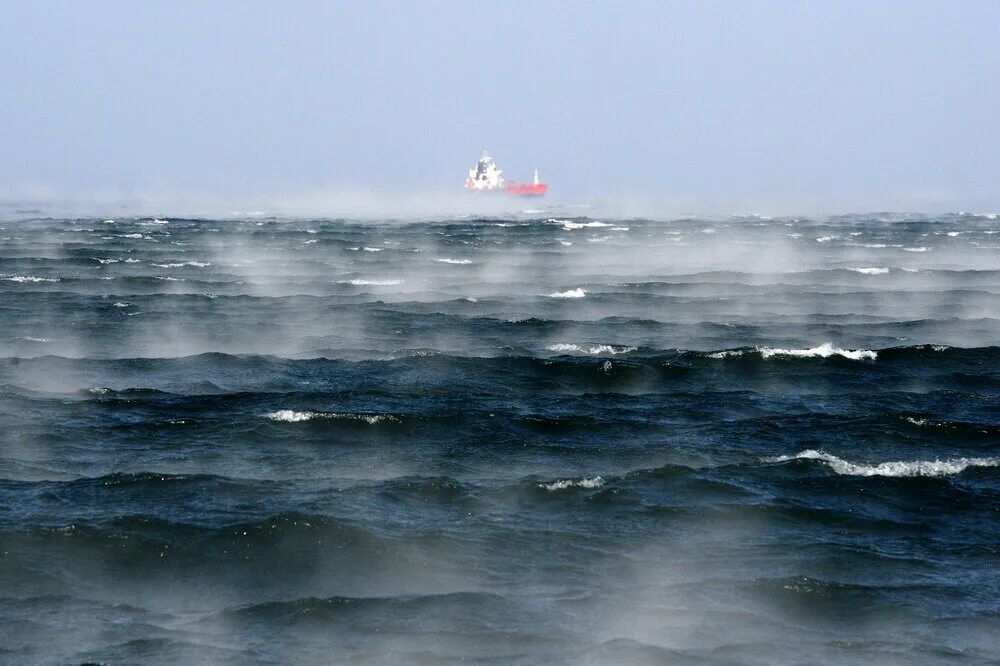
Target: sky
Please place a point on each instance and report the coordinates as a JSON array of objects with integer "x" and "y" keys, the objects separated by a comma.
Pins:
[{"x": 742, "y": 106}]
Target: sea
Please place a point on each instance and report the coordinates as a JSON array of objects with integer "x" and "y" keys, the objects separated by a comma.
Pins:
[{"x": 521, "y": 439}]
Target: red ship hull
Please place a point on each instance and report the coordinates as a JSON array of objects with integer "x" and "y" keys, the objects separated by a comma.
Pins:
[{"x": 527, "y": 189}]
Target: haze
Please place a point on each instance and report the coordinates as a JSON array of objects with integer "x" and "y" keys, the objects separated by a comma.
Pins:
[{"x": 708, "y": 106}]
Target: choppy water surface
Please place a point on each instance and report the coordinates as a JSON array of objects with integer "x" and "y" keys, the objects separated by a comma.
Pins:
[{"x": 575, "y": 440}]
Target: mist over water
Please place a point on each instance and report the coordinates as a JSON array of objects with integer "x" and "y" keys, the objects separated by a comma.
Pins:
[{"x": 512, "y": 438}]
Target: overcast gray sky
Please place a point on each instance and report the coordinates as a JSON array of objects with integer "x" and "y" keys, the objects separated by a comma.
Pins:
[{"x": 763, "y": 104}]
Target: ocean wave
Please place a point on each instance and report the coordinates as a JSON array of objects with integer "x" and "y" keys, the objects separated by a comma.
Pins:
[
  {"x": 591, "y": 349},
  {"x": 27, "y": 279},
  {"x": 291, "y": 416},
  {"x": 569, "y": 225},
  {"x": 917, "y": 249},
  {"x": 570, "y": 293},
  {"x": 446, "y": 260},
  {"x": 875, "y": 270},
  {"x": 374, "y": 283},
  {"x": 933, "y": 468},
  {"x": 178, "y": 264},
  {"x": 825, "y": 350},
  {"x": 593, "y": 482}
]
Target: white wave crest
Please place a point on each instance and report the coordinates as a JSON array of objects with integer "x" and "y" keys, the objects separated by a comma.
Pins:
[
  {"x": 901, "y": 468},
  {"x": 591, "y": 349},
  {"x": 874, "y": 270},
  {"x": 446, "y": 260},
  {"x": 569, "y": 225},
  {"x": 28, "y": 278},
  {"x": 374, "y": 249},
  {"x": 594, "y": 482},
  {"x": 292, "y": 416},
  {"x": 178, "y": 264},
  {"x": 570, "y": 293},
  {"x": 727, "y": 353},
  {"x": 917, "y": 249},
  {"x": 823, "y": 351},
  {"x": 122, "y": 305},
  {"x": 376, "y": 283}
]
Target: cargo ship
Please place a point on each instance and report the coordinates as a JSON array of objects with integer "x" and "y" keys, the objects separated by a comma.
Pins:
[{"x": 486, "y": 176}]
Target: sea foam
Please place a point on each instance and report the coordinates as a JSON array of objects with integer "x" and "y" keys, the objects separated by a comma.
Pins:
[
  {"x": 900, "y": 468},
  {"x": 594, "y": 482},
  {"x": 570, "y": 293},
  {"x": 569, "y": 225},
  {"x": 589, "y": 349},
  {"x": 292, "y": 416},
  {"x": 376, "y": 283},
  {"x": 28, "y": 279},
  {"x": 825, "y": 350}
]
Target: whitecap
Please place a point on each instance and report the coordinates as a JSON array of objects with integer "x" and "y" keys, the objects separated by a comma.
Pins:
[
  {"x": 874, "y": 270},
  {"x": 28, "y": 278},
  {"x": 917, "y": 249},
  {"x": 727, "y": 353},
  {"x": 122, "y": 305},
  {"x": 901, "y": 468},
  {"x": 593, "y": 482},
  {"x": 446, "y": 260},
  {"x": 569, "y": 225},
  {"x": 823, "y": 351},
  {"x": 31, "y": 339},
  {"x": 570, "y": 293},
  {"x": 292, "y": 416},
  {"x": 825, "y": 239},
  {"x": 374, "y": 249},
  {"x": 376, "y": 283},
  {"x": 178, "y": 264},
  {"x": 591, "y": 349}
]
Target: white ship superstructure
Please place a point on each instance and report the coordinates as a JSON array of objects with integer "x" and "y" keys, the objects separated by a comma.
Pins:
[{"x": 485, "y": 176}]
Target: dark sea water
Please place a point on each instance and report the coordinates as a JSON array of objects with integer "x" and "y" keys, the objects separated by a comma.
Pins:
[{"x": 500, "y": 441}]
